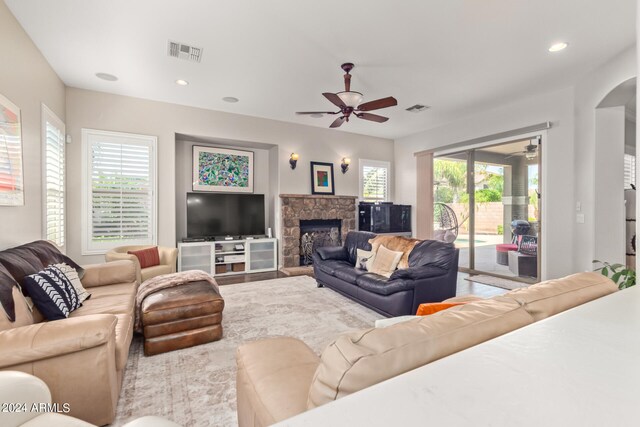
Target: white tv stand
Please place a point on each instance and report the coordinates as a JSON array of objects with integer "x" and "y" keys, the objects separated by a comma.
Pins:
[{"x": 226, "y": 257}]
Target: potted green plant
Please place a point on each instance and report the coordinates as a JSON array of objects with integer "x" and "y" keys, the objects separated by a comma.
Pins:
[{"x": 623, "y": 276}]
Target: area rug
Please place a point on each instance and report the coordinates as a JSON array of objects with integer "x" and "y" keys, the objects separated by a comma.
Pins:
[
  {"x": 498, "y": 282},
  {"x": 196, "y": 386}
]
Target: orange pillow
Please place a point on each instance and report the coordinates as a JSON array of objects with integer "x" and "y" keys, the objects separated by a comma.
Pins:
[
  {"x": 434, "y": 307},
  {"x": 148, "y": 257}
]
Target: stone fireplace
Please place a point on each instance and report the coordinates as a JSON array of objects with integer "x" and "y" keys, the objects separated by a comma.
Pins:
[{"x": 341, "y": 210}]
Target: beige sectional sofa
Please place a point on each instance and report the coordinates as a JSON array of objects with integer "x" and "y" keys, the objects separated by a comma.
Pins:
[
  {"x": 282, "y": 377},
  {"x": 81, "y": 358}
]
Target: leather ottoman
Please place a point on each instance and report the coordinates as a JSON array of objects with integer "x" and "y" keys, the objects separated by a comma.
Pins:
[{"x": 181, "y": 317}]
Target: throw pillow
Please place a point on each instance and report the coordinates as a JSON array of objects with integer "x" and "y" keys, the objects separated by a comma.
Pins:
[
  {"x": 364, "y": 259},
  {"x": 74, "y": 278},
  {"x": 434, "y": 307},
  {"x": 385, "y": 261},
  {"x": 52, "y": 293},
  {"x": 148, "y": 257}
]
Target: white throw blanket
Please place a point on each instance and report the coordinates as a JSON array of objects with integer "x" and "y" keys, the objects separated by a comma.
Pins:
[{"x": 165, "y": 281}]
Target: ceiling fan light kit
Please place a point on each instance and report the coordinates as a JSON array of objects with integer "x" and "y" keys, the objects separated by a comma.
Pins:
[
  {"x": 350, "y": 102},
  {"x": 350, "y": 99}
]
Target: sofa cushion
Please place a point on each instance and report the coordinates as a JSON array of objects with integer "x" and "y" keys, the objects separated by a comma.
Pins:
[
  {"x": 52, "y": 292},
  {"x": 554, "y": 296},
  {"x": 349, "y": 274},
  {"x": 330, "y": 266},
  {"x": 333, "y": 252},
  {"x": 357, "y": 240},
  {"x": 385, "y": 261},
  {"x": 432, "y": 253},
  {"x": 380, "y": 285},
  {"x": 361, "y": 359},
  {"x": 273, "y": 380},
  {"x": 108, "y": 304}
]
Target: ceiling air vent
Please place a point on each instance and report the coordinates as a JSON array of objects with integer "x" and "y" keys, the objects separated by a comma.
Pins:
[
  {"x": 417, "y": 108},
  {"x": 183, "y": 51}
]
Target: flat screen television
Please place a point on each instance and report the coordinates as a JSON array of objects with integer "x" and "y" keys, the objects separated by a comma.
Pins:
[{"x": 220, "y": 214}]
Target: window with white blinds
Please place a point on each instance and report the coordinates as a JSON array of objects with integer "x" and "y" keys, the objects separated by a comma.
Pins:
[
  {"x": 374, "y": 180},
  {"x": 629, "y": 170},
  {"x": 54, "y": 184},
  {"x": 120, "y": 190}
]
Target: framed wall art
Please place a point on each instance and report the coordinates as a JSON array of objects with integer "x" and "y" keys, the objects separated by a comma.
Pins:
[
  {"x": 11, "y": 173},
  {"x": 221, "y": 169},
  {"x": 322, "y": 178}
]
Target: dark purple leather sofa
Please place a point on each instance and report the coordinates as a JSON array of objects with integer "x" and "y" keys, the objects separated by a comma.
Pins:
[{"x": 431, "y": 276}]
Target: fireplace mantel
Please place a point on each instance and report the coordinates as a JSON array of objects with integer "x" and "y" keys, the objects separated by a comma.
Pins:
[
  {"x": 296, "y": 207},
  {"x": 315, "y": 196}
]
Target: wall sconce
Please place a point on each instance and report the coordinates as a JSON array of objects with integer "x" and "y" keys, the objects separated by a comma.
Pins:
[
  {"x": 345, "y": 164},
  {"x": 293, "y": 160}
]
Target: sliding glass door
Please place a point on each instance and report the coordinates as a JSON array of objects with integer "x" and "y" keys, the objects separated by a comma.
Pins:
[
  {"x": 486, "y": 201},
  {"x": 451, "y": 204}
]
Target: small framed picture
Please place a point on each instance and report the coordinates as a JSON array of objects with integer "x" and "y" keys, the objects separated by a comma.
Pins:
[
  {"x": 322, "y": 178},
  {"x": 220, "y": 169}
]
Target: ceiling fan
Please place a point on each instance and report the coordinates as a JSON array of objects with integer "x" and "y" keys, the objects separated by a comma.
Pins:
[
  {"x": 530, "y": 151},
  {"x": 349, "y": 103}
]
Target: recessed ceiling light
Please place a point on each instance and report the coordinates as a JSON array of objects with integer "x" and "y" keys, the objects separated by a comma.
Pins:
[
  {"x": 230, "y": 99},
  {"x": 557, "y": 47},
  {"x": 182, "y": 82},
  {"x": 107, "y": 77},
  {"x": 316, "y": 116}
]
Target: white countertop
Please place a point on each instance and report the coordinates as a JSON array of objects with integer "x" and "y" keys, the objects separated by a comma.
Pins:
[{"x": 578, "y": 368}]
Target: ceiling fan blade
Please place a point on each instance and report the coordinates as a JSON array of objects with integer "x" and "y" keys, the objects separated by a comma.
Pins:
[
  {"x": 317, "y": 112},
  {"x": 372, "y": 117},
  {"x": 335, "y": 99},
  {"x": 378, "y": 103},
  {"x": 338, "y": 122}
]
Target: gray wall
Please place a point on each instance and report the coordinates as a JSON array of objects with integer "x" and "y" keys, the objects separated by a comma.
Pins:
[
  {"x": 27, "y": 80},
  {"x": 261, "y": 178},
  {"x": 97, "y": 110}
]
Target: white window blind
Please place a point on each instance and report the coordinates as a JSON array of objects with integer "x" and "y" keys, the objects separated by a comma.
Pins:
[
  {"x": 120, "y": 193},
  {"x": 54, "y": 183},
  {"x": 374, "y": 180},
  {"x": 629, "y": 170}
]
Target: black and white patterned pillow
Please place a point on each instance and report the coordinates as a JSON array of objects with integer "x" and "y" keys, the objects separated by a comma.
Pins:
[{"x": 52, "y": 292}]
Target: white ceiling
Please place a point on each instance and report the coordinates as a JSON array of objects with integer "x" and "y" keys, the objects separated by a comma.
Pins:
[{"x": 277, "y": 57}]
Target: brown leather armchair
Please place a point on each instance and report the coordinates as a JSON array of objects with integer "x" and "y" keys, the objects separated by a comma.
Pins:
[{"x": 168, "y": 257}]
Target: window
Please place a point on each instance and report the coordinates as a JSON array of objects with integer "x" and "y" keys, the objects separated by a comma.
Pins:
[
  {"x": 119, "y": 190},
  {"x": 629, "y": 170},
  {"x": 374, "y": 180},
  {"x": 53, "y": 177}
]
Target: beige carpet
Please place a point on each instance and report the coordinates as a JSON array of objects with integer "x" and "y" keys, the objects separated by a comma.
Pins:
[
  {"x": 196, "y": 386},
  {"x": 497, "y": 282}
]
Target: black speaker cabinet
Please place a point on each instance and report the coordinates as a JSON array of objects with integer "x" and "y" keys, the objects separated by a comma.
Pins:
[{"x": 384, "y": 218}]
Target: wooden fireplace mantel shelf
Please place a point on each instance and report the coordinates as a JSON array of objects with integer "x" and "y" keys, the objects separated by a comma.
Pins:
[{"x": 314, "y": 196}]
